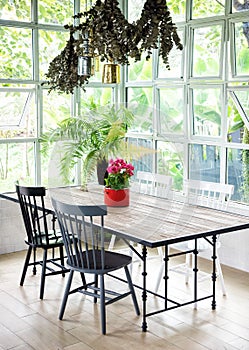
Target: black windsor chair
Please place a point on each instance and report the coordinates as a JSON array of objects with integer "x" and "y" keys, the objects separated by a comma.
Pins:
[
  {"x": 41, "y": 232},
  {"x": 87, "y": 255}
]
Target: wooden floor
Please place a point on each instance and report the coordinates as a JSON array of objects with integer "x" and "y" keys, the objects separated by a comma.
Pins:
[{"x": 27, "y": 323}]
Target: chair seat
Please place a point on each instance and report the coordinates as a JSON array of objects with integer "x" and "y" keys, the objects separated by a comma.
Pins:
[
  {"x": 55, "y": 240},
  {"x": 112, "y": 262}
]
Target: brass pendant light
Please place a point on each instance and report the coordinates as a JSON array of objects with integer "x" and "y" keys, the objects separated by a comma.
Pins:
[{"x": 111, "y": 73}]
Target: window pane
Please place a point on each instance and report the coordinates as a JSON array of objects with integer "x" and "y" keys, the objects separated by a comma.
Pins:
[
  {"x": 206, "y": 112},
  {"x": 238, "y": 115},
  {"x": 170, "y": 161},
  {"x": 241, "y": 35},
  {"x": 17, "y": 114},
  {"x": 50, "y": 45},
  {"x": 208, "y": 8},
  {"x": 207, "y": 51},
  {"x": 176, "y": 8},
  {"x": 15, "y": 10},
  {"x": 238, "y": 173},
  {"x": 145, "y": 162},
  {"x": 96, "y": 96},
  {"x": 141, "y": 70},
  {"x": 239, "y": 5},
  {"x": 16, "y": 163},
  {"x": 140, "y": 102},
  {"x": 16, "y": 53},
  {"x": 170, "y": 110},
  {"x": 56, "y": 107},
  {"x": 51, "y": 175},
  {"x": 55, "y": 12},
  {"x": 175, "y": 62},
  {"x": 204, "y": 163}
]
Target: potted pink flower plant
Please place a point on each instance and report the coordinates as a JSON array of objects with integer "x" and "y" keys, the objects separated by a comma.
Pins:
[{"x": 117, "y": 182}]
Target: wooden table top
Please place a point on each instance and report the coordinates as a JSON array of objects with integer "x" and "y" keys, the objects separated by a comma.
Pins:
[{"x": 154, "y": 221}]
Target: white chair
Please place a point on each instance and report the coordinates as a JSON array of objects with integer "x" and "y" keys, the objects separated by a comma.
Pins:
[
  {"x": 209, "y": 194},
  {"x": 154, "y": 184}
]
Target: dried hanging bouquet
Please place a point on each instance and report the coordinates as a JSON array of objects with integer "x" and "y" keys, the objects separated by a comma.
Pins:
[{"x": 113, "y": 38}]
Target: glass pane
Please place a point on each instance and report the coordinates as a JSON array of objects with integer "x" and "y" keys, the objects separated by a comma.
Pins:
[
  {"x": 176, "y": 8},
  {"x": 98, "y": 70},
  {"x": 206, "y": 51},
  {"x": 241, "y": 36},
  {"x": 238, "y": 173},
  {"x": 17, "y": 114},
  {"x": 206, "y": 112},
  {"x": 51, "y": 175},
  {"x": 16, "y": 53},
  {"x": 141, "y": 70},
  {"x": 241, "y": 5},
  {"x": 145, "y": 162},
  {"x": 50, "y": 45},
  {"x": 238, "y": 116},
  {"x": 171, "y": 161},
  {"x": 175, "y": 62},
  {"x": 15, "y": 10},
  {"x": 55, "y": 12},
  {"x": 204, "y": 163},
  {"x": 140, "y": 102},
  {"x": 96, "y": 97},
  {"x": 16, "y": 163},
  {"x": 170, "y": 110},
  {"x": 207, "y": 8},
  {"x": 56, "y": 107}
]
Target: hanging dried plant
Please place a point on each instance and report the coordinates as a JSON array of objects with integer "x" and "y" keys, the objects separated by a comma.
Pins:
[
  {"x": 114, "y": 38},
  {"x": 62, "y": 72}
]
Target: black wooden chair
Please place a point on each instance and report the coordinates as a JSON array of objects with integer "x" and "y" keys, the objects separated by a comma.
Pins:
[
  {"x": 41, "y": 232},
  {"x": 87, "y": 254}
]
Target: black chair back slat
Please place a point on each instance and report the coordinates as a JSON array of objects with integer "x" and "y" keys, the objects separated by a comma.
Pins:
[
  {"x": 83, "y": 242},
  {"x": 41, "y": 233}
]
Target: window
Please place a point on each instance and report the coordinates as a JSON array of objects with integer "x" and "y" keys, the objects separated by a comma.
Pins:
[{"x": 194, "y": 118}]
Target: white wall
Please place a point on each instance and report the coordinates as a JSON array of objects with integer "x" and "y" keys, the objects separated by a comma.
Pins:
[{"x": 12, "y": 233}]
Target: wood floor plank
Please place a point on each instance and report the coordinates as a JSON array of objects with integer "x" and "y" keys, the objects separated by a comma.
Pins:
[{"x": 26, "y": 322}]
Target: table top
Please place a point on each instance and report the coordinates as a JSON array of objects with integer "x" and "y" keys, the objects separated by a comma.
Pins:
[{"x": 154, "y": 221}]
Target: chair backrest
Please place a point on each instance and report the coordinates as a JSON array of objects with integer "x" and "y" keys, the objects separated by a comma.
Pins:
[
  {"x": 83, "y": 240},
  {"x": 35, "y": 215},
  {"x": 209, "y": 194},
  {"x": 154, "y": 184}
]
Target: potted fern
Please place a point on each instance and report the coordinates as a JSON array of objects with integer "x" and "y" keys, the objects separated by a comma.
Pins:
[{"x": 93, "y": 138}]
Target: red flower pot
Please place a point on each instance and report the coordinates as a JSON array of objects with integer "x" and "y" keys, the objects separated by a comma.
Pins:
[{"x": 117, "y": 198}]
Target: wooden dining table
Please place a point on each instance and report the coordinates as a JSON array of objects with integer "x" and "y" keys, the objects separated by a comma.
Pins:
[{"x": 154, "y": 222}]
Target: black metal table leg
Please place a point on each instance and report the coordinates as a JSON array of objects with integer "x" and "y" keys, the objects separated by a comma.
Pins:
[
  {"x": 214, "y": 276},
  {"x": 144, "y": 292},
  {"x": 166, "y": 275}
]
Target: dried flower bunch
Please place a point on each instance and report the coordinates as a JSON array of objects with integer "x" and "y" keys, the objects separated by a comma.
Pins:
[
  {"x": 119, "y": 173},
  {"x": 113, "y": 38}
]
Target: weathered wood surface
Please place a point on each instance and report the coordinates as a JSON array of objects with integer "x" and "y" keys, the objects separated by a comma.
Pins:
[{"x": 155, "y": 221}]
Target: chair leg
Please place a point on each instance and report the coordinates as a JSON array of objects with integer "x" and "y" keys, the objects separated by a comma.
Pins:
[
  {"x": 160, "y": 276},
  {"x": 134, "y": 298},
  {"x": 62, "y": 259},
  {"x": 34, "y": 260},
  {"x": 220, "y": 274},
  {"x": 66, "y": 293},
  {"x": 188, "y": 267},
  {"x": 43, "y": 273},
  {"x": 96, "y": 286},
  {"x": 112, "y": 242},
  {"x": 26, "y": 264},
  {"x": 102, "y": 304}
]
